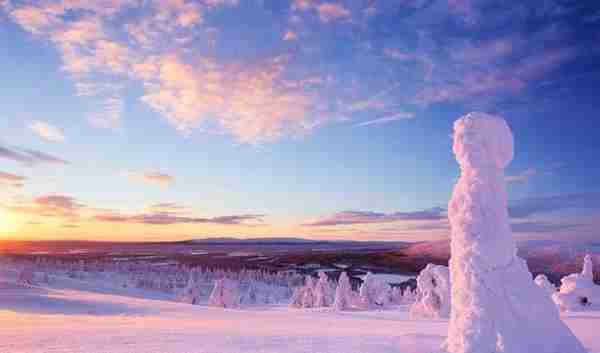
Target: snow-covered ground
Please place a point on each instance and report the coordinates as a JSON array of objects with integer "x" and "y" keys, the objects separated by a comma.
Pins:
[{"x": 39, "y": 319}]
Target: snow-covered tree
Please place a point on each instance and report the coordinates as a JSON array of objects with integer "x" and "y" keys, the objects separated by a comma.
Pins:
[
  {"x": 323, "y": 292},
  {"x": 343, "y": 293},
  {"x": 578, "y": 291},
  {"x": 225, "y": 294},
  {"x": 373, "y": 293},
  {"x": 433, "y": 293},
  {"x": 308, "y": 297},
  {"x": 25, "y": 276},
  {"x": 192, "y": 293},
  {"x": 496, "y": 307}
]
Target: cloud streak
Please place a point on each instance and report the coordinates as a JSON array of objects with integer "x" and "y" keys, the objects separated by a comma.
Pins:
[
  {"x": 170, "y": 219},
  {"x": 367, "y": 217},
  {"x": 538, "y": 205},
  {"x": 387, "y": 119},
  {"x": 29, "y": 156},
  {"x": 13, "y": 180},
  {"x": 152, "y": 178}
]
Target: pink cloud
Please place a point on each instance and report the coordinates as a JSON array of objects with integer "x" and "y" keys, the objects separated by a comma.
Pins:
[
  {"x": 13, "y": 180},
  {"x": 330, "y": 11},
  {"x": 152, "y": 178},
  {"x": 247, "y": 102},
  {"x": 47, "y": 131},
  {"x": 54, "y": 205},
  {"x": 327, "y": 11}
]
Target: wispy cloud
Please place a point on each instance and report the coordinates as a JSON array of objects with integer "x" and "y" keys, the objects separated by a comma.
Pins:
[
  {"x": 47, "y": 131},
  {"x": 537, "y": 227},
  {"x": 529, "y": 173},
  {"x": 327, "y": 11},
  {"x": 330, "y": 11},
  {"x": 365, "y": 217},
  {"x": 53, "y": 205},
  {"x": 13, "y": 180},
  {"x": 169, "y": 219},
  {"x": 168, "y": 207},
  {"x": 102, "y": 51},
  {"x": 388, "y": 119},
  {"x": 72, "y": 211},
  {"x": 247, "y": 102},
  {"x": 152, "y": 178},
  {"x": 29, "y": 156},
  {"x": 538, "y": 205},
  {"x": 521, "y": 177}
]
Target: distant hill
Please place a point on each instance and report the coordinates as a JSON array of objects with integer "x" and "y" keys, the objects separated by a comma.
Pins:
[{"x": 556, "y": 258}]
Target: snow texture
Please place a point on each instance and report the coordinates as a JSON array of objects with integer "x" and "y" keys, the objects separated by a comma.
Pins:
[
  {"x": 433, "y": 293},
  {"x": 495, "y": 305},
  {"x": 578, "y": 291}
]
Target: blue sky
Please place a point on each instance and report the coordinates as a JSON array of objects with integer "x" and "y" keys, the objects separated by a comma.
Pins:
[{"x": 324, "y": 119}]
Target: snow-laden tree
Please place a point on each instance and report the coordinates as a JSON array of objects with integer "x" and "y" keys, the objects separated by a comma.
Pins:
[
  {"x": 496, "y": 307},
  {"x": 323, "y": 291},
  {"x": 433, "y": 293},
  {"x": 373, "y": 293},
  {"x": 542, "y": 281},
  {"x": 225, "y": 294},
  {"x": 308, "y": 297},
  {"x": 191, "y": 293},
  {"x": 578, "y": 290},
  {"x": 343, "y": 293},
  {"x": 409, "y": 296},
  {"x": 25, "y": 276}
]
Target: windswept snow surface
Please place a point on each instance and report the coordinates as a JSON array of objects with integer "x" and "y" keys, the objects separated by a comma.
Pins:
[{"x": 36, "y": 320}]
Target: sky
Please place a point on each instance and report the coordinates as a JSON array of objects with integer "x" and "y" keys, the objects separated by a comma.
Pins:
[{"x": 178, "y": 119}]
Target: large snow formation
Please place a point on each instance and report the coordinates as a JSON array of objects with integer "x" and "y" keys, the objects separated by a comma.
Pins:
[
  {"x": 433, "y": 293},
  {"x": 577, "y": 290},
  {"x": 495, "y": 305}
]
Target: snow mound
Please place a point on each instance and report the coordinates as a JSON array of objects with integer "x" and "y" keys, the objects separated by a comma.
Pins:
[
  {"x": 495, "y": 305},
  {"x": 577, "y": 290}
]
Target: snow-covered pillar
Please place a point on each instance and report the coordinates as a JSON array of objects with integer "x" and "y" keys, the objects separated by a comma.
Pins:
[{"x": 495, "y": 305}]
